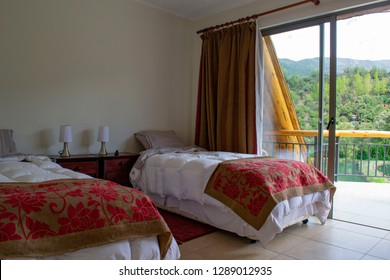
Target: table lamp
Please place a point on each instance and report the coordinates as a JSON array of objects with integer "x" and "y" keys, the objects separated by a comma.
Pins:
[
  {"x": 65, "y": 137},
  {"x": 103, "y": 136}
]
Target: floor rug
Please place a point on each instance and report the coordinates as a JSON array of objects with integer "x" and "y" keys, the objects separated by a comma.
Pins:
[{"x": 185, "y": 229}]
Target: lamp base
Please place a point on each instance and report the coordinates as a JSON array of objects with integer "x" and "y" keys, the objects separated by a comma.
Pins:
[
  {"x": 65, "y": 151},
  {"x": 103, "y": 151}
]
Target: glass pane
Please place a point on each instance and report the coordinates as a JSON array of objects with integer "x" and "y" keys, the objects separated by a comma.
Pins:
[
  {"x": 298, "y": 53},
  {"x": 363, "y": 100}
]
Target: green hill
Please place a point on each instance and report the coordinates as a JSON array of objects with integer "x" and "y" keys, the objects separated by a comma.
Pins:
[{"x": 306, "y": 67}]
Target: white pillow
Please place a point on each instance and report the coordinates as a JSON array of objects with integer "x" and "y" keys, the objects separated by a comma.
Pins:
[
  {"x": 7, "y": 144},
  {"x": 154, "y": 139}
]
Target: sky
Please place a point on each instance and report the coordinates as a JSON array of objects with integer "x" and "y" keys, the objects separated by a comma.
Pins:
[{"x": 365, "y": 37}]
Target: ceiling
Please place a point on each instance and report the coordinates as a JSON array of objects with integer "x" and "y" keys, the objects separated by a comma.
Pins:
[{"x": 195, "y": 9}]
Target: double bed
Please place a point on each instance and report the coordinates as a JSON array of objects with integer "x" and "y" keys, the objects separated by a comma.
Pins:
[
  {"x": 252, "y": 196},
  {"x": 50, "y": 212}
]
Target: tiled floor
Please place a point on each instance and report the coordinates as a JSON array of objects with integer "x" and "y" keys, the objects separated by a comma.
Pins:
[
  {"x": 333, "y": 241},
  {"x": 336, "y": 240}
]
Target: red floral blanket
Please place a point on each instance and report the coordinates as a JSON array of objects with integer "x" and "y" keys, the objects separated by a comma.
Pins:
[
  {"x": 54, "y": 217},
  {"x": 252, "y": 187}
]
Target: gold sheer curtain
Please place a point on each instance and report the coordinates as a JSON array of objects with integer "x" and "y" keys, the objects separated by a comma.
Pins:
[{"x": 226, "y": 113}]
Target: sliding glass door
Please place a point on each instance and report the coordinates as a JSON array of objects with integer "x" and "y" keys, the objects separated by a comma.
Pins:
[
  {"x": 363, "y": 123},
  {"x": 335, "y": 74},
  {"x": 303, "y": 55}
]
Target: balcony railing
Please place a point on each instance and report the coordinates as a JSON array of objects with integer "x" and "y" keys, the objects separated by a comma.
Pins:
[{"x": 358, "y": 157}]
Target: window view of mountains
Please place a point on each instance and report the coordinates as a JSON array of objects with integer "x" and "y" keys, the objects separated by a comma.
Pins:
[
  {"x": 306, "y": 67},
  {"x": 363, "y": 92}
]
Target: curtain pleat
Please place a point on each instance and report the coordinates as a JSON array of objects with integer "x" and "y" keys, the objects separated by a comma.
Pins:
[
  {"x": 226, "y": 112},
  {"x": 259, "y": 91}
]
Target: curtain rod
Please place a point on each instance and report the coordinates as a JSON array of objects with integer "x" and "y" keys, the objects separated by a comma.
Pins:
[{"x": 315, "y": 2}]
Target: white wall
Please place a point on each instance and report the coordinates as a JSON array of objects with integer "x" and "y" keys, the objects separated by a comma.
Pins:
[
  {"x": 293, "y": 14},
  {"x": 106, "y": 62},
  {"x": 88, "y": 63}
]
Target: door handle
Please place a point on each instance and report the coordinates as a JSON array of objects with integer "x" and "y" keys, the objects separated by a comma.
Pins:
[{"x": 331, "y": 121}]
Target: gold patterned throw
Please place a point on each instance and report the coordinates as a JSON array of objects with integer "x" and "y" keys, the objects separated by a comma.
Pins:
[
  {"x": 252, "y": 187},
  {"x": 54, "y": 217}
]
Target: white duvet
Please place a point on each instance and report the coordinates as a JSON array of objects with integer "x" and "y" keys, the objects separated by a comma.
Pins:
[
  {"x": 34, "y": 169},
  {"x": 26, "y": 168},
  {"x": 176, "y": 179}
]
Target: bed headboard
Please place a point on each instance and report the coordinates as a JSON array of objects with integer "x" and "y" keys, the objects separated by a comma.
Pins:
[{"x": 7, "y": 143}]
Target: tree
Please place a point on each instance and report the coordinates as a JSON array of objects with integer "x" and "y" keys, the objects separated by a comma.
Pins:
[
  {"x": 382, "y": 120},
  {"x": 361, "y": 97}
]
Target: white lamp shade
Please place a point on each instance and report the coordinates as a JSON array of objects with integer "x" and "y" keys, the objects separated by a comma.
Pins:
[
  {"x": 104, "y": 134},
  {"x": 65, "y": 133}
]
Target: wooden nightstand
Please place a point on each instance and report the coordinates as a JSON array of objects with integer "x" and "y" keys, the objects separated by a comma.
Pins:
[
  {"x": 112, "y": 167},
  {"x": 117, "y": 168},
  {"x": 87, "y": 164}
]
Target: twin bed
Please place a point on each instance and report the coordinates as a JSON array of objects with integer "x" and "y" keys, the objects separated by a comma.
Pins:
[
  {"x": 49, "y": 212},
  {"x": 252, "y": 196}
]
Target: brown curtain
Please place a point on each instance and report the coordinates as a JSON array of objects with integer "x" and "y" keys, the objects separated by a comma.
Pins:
[{"x": 226, "y": 116}]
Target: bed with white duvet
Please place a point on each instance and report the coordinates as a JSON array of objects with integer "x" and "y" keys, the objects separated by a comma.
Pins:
[{"x": 176, "y": 178}]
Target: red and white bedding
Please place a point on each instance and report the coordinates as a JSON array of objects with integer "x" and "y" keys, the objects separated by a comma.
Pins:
[
  {"x": 49, "y": 212},
  {"x": 176, "y": 179}
]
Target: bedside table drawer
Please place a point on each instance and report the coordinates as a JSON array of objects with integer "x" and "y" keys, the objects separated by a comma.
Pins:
[
  {"x": 117, "y": 168},
  {"x": 86, "y": 167},
  {"x": 119, "y": 164}
]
